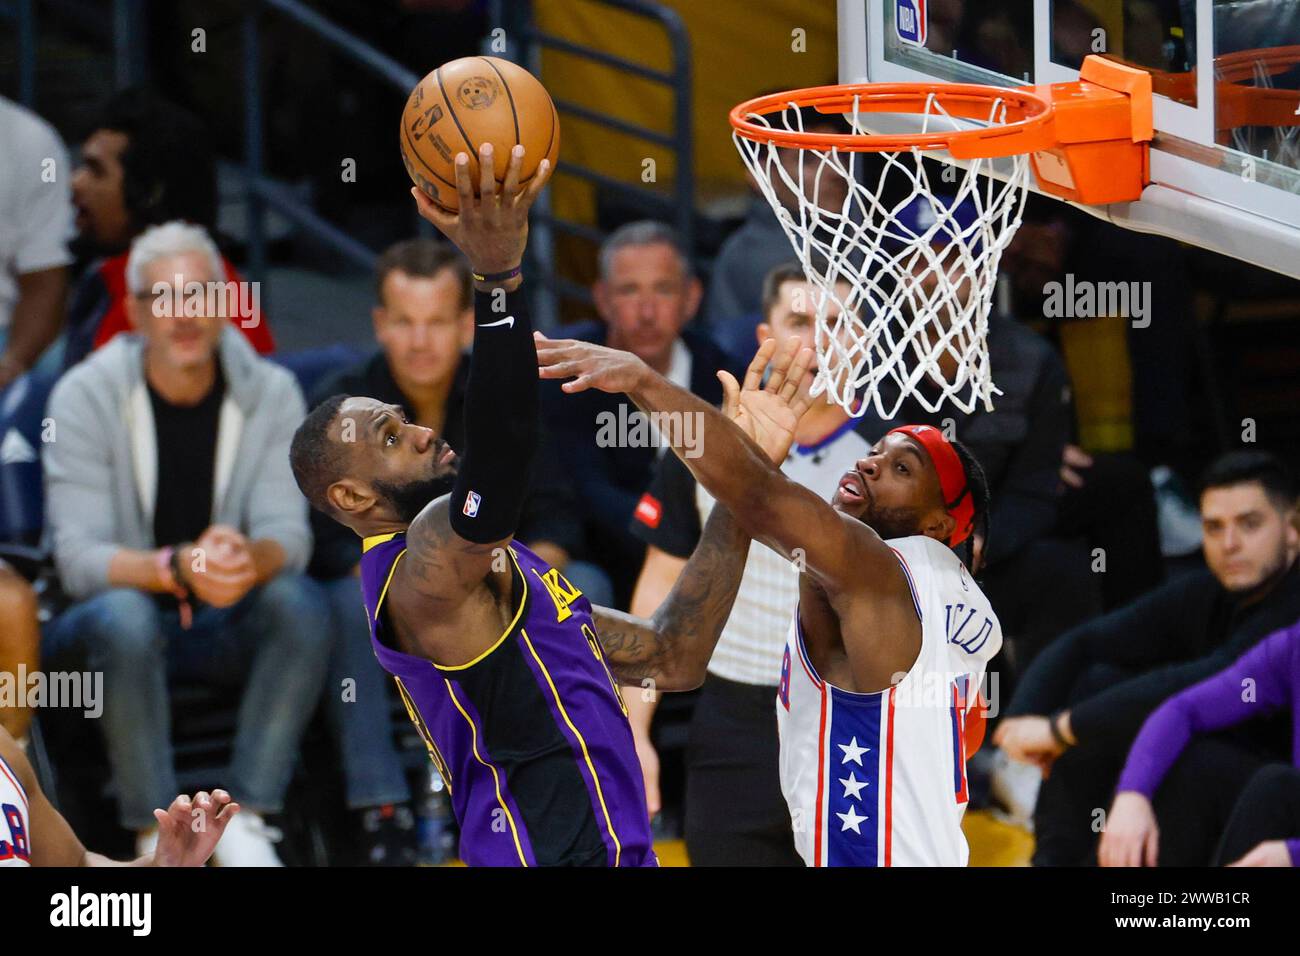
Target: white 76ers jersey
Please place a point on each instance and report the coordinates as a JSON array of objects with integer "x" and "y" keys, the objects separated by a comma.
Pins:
[
  {"x": 15, "y": 846},
  {"x": 880, "y": 779}
]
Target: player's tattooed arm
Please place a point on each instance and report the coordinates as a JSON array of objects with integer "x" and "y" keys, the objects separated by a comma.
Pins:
[
  {"x": 440, "y": 565},
  {"x": 734, "y": 461},
  {"x": 673, "y": 647}
]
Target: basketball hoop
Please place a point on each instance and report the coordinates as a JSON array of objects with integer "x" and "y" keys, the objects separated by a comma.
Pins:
[{"x": 905, "y": 275}]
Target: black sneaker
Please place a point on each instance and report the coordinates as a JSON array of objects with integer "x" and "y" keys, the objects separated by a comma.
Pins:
[{"x": 387, "y": 836}]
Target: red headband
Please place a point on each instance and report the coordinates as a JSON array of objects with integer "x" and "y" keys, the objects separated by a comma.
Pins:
[{"x": 957, "y": 498}]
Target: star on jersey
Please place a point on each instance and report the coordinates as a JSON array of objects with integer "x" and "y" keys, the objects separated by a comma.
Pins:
[
  {"x": 853, "y": 786},
  {"x": 851, "y": 821},
  {"x": 853, "y": 752}
]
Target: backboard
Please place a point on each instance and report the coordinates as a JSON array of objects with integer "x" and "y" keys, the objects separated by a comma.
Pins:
[{"x": 1225, "y": 161}]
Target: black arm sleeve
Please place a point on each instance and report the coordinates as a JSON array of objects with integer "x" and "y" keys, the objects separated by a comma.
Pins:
[
  {"x": 1115, "y": 715},
  {"x": 1144, "y": 634},
  {"x": 501, "y": 421}
]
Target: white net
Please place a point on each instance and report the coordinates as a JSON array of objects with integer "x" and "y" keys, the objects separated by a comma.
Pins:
[{"x": 905, "y": 268}]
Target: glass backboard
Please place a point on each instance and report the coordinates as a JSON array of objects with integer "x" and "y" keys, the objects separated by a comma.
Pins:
[{"x": 1225, "y": 162}]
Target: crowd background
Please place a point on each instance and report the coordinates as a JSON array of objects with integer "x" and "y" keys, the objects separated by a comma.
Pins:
[{"x": 126, "y": 439}]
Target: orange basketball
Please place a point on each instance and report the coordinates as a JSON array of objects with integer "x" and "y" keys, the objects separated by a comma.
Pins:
[{"x": 465, "y": 103}]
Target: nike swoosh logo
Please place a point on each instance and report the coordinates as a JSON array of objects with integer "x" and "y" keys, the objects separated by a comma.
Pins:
[{"x": 508, "y": 321}]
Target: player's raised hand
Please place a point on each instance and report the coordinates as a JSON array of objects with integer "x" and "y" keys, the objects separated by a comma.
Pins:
[
  {"x": 188, "y": 830},
  {"x": 768, "y": 413},
  {"x": 491, "y": 229},
  {"x": 590, "y": 366}
]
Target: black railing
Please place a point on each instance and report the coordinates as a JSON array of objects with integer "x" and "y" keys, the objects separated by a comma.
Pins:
[
  {"x": 678, "y": 206},
  {"x": 262, "y": 192},
  {"x": 126, "y": 21}
]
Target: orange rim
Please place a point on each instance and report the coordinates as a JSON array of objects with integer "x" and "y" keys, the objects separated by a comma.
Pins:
[{"x": 1027, "y": 127}]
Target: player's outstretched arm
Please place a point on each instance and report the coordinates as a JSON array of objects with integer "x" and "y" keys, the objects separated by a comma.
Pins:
[
  {"x": 181, "y": 842},
  {"x": 735, "y": 468},
  {"x": 451, "y": 544},
  {"x": 671, "y": 650}
]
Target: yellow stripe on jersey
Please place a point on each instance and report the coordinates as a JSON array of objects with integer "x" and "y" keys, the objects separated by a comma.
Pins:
[
  {"x": 383, "y": 592},
  {"x": 423, "y": 730},
  {"x": 377, "y": 539},
  {"x": 496, "y": 777},
  {"x": 586, "y": 756}
]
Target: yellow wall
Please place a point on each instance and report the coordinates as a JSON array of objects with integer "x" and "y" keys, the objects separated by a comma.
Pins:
[{"x": 739, "y": 49}]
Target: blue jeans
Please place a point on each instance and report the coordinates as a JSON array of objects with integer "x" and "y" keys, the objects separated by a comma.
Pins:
[
  {"x": 275, "y": 642},
  {"x": 359, "y": 711},
  {"x": 592, "y": 581}
]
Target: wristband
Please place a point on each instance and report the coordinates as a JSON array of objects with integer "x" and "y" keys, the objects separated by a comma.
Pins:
[
  {"x": 1053, "y": 725},
  {"x": 169, "y": 565},
  {"x": 163, "y": 558},
  {"x": 496, "y": 276}
]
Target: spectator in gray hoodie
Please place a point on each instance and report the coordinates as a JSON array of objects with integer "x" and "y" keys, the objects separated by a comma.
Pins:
[{"x": 178, "y": 530}]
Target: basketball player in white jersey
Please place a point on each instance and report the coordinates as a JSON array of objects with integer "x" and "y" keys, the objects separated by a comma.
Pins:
[
  {"x": 33, "y": 833},
  {"x": 878, "y": 705},
  {"x": 733, "y": 732}
]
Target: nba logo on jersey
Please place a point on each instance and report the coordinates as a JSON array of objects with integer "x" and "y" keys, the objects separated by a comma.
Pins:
[
  {"x": 910, "y": 21},
  {"x": 472, "y": 501}
]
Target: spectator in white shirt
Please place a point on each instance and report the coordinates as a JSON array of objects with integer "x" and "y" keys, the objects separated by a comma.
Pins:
[{"x": 35, "y": 226}]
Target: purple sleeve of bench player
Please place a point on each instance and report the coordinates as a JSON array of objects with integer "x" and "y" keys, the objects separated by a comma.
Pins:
[{"x": 1262, "y": 680}]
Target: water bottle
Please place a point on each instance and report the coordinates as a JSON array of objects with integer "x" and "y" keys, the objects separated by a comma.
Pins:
[{"x": 435, "y": 831}]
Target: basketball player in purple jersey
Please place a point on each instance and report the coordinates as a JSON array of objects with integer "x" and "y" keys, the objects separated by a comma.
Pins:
[{"x": 498, "y": 658}]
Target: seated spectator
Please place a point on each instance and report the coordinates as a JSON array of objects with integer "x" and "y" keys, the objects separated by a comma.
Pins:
[
  {"x": 145, "y": 162},
  {"x": 646, "y": 293},
  {"x": 1081, "y": 703},
  {"x": 35, "y": 226},
  {"x": 1262, "y": 827},
  {"x": 733, "y": 308},
  {"x": 178, "y": 531},
  {"x": 733, "y": 740},
  {"x": 423, "y": 322}
]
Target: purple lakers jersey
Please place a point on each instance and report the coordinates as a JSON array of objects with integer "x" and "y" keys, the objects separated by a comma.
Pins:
[{"x": 531, "y": 737}]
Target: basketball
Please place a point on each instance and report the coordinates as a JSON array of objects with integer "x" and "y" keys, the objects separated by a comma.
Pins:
[{"x": 468, "y": 102}]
